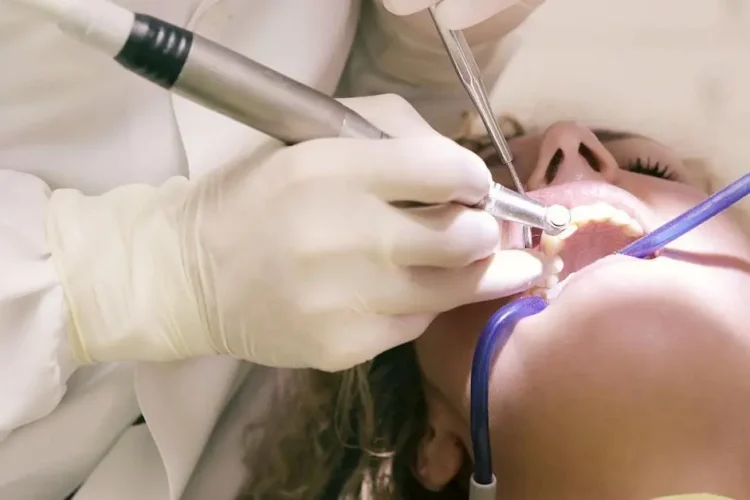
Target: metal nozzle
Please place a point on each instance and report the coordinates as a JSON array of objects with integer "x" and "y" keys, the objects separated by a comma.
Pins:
[
  {"x": 506, "y": 204},
  {"x": 557, "y": 218}
]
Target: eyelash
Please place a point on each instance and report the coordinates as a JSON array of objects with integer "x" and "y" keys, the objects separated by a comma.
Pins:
[{"x": 646, "y": 167}]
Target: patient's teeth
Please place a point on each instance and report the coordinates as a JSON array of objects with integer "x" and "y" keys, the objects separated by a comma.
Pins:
[
  {"x": 568, "y": 232},
  {"x": 596, "y": 212},
  {"x": 620, "y": 218},
  {"x": 581, "y": 216},
  {"x": 581, "y": 212},
  {"x": 629, "y": 226},
  {"x": 633, "y": 229},
  {"x": 551, "y": 245},
  {"x": 557, "y": 264},
  {"x": 553, "y": 292},
  {"x": 584, "y": 215},
  {"x": 601, "y": 212}
]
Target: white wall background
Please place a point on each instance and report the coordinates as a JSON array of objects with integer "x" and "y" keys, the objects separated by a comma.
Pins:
[{"x": 675, "y": 70}]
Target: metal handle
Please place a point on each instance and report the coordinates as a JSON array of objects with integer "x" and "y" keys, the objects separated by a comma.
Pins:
[{"x": 264, "y": 99}]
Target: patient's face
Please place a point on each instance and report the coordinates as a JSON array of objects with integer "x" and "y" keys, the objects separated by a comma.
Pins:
[{"x": 635, "y": 382}]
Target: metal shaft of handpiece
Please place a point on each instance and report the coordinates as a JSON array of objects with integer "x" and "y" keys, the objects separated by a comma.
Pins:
[
  {"x": 236, "y": 86},
  {"x": 506, "y": 204},
  {"x": 265, "y": 99},
  {"x": 470, "y": 76}
]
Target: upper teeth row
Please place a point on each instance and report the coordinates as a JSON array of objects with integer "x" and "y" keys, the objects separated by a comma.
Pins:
[{"x": 584, "y": 215}]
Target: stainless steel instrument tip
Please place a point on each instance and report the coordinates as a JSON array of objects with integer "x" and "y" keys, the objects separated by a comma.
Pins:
[
  {"x": 506, "y": 204},
  {"x": 557, "y": 219}
]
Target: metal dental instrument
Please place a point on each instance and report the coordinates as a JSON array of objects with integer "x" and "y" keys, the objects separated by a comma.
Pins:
[
  {"x": 235, "y": 86},
  {"x": 471, "y": 78},
  {"x": 509, "y": 205}
]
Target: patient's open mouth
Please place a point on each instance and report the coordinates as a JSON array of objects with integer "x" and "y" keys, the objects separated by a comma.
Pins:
[{"x": 605, "y": 219}]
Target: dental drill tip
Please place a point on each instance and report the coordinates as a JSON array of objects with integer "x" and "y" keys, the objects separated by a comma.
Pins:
[{"x": 557, "y": 218}]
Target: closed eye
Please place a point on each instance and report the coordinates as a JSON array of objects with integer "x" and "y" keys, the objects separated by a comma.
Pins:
[{"x": 647, "y": 167}]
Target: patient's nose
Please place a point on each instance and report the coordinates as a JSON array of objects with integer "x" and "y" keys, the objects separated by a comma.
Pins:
[{"x": 569, "y": 153}]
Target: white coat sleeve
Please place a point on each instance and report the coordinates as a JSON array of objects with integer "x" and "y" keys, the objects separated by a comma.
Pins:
[
  {"x": 404, "y": 55},
  {"x": 316, "y": 53},
  {"x": 34, "y": 359}
]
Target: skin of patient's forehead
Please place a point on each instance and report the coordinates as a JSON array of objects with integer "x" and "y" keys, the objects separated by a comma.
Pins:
[{"x": 634, "y": 370}]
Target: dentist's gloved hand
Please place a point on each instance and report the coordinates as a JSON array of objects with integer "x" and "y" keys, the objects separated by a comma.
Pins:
[
  {"x": 299, "y": 262},
  {"x": 462, "y": 14}
]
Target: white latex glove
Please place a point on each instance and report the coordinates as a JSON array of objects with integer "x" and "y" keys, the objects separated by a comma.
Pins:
[
  {"x": 299, "y": 262},
  {"x": 461, "y": 14}
]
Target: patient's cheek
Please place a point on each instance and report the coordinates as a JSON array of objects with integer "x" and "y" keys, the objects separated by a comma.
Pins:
[
  {"x": 446, "y": 349},
  {"x": 633, "y": 330},
  {"x": 627, "y": 385}
]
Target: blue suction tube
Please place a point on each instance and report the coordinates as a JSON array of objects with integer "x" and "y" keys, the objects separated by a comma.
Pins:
[{"x": 500, "y": 326}]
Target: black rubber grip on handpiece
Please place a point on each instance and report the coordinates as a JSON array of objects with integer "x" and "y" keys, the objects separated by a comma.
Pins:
[{"x": 156, "y": 50}]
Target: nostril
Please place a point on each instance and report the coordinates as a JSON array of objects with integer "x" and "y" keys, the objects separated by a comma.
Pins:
[
  {"x": 554, "y": 166},
  {"x": 590, "y": 157}
]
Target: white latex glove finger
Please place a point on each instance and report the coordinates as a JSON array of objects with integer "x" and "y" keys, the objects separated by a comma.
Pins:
[
  {"x": 407, "y": 7},
  {"x": 462, "y": 14},
  {"x": 424, "y": 290},
  {"x": 509, "y": 272},
  {"x": 392, "y": 114},
  {"x": 447, "y": 236},
  {"x": 427, "y": 170},
  {"x": 454, "y": 14}
]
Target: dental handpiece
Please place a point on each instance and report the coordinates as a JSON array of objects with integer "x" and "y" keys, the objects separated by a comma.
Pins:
[
  {"x": 509, "y": 205},
  {"x": 470, "y": 76},
  {"x": 235, "y": 86}
]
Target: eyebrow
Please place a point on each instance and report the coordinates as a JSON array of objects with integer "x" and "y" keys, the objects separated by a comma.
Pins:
[{"x": 605, "y": 135}]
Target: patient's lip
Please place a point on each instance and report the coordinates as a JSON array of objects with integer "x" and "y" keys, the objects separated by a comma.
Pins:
[{"x": 589, "y": 192}]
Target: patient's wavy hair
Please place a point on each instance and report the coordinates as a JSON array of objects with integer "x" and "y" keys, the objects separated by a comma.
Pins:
[{"x": 347, "y": 435}]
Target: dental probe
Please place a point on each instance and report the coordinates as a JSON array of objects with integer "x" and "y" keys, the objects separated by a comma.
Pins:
[
  {"x": 235, "y": 86},
  {"x": 468, "y": 73}
]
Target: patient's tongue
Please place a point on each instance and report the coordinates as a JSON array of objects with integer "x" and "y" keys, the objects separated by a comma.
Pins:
[{"x": 591, "y": 243}]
